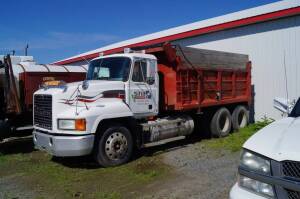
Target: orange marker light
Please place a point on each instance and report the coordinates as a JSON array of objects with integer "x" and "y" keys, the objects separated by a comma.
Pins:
[{"x": 80, "y": 124}]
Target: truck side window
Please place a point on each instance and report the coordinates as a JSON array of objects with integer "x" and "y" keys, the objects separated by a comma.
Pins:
[
  {"x": 151, "y": 72},
  {"x": 139, "y": 73}
]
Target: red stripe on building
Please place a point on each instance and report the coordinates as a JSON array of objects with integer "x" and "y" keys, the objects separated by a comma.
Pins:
[{"x": 196, "y": 32}]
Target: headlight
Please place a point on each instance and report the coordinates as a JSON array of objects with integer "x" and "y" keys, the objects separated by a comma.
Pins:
[
  {"x": 255, "y": 162},
  {"x": 72, "y": 124},
  {"x": 256, "y": 186}
]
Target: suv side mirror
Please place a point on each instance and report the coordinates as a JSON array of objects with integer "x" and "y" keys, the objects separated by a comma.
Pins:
[
  {"x": 150, "y": 80},
  {"x": 283, "y": 105}
]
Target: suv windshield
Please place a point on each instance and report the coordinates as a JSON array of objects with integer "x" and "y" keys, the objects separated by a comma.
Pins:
[
  {"x": 296, "y": 110},
  {"x": 111, "y": 68}
]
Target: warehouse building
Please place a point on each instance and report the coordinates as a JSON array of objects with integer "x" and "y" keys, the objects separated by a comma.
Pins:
[{"x": 269, "y": 34}]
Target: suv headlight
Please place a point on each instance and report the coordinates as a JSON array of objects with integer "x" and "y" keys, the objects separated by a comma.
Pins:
[
  {"x": 256, "y": 186},
  {"x": 255, "y": 162},
  {"x": 72, "y": 124}
]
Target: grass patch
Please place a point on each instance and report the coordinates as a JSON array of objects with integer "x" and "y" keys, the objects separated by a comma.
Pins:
[
  {"x": 67, "y": 179},
  {"x": 235, "y": 141}
]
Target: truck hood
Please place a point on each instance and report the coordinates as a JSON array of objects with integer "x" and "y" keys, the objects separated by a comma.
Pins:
[
  {"x": 278, "y": 141},
  {"x": 95, "y": 88},
  {"x": 99, "y": 100}
]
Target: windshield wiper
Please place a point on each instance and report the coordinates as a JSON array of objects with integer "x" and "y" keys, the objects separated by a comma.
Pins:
[{"x": 103, "y": 78}]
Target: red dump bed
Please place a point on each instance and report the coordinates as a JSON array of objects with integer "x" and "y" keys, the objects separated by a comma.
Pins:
[{"x": 192, "y": 78}]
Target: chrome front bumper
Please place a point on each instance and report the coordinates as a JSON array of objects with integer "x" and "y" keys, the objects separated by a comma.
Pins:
[{"x": 63, "y": 146}]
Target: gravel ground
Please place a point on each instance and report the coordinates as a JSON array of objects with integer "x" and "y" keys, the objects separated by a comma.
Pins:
[
  {"x": 196, "y": 171},
  {"x": 199, "y": 173}
]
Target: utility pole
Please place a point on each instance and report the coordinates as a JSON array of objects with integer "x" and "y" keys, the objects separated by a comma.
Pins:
[{"x": 26, "y": 49}]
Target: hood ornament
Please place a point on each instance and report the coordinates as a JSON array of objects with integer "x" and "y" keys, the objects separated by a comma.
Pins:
[{"x": 77, "y": 93}]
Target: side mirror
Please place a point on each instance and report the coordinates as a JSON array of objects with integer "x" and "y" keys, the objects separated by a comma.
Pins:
[
  {"x": 150, "y": 80},
  {"x": 85, "y": 84},
  {"x": 283, "y": 105}
]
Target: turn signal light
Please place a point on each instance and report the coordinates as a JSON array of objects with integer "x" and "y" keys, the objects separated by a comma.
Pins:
[{"x": 80, "y": 124}]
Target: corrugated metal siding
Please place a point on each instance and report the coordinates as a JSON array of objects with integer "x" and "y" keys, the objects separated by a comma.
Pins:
[{"x": 267, "y": 44}]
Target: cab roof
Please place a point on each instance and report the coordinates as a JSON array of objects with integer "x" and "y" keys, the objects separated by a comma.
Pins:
[{"x": 129, "y": 55}]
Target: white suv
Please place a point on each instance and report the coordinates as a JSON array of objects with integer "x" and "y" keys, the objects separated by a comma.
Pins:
[{"x": 270, "y": 161}]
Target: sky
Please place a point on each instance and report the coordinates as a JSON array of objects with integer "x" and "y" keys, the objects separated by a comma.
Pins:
[{"x": 57, "y": 29}]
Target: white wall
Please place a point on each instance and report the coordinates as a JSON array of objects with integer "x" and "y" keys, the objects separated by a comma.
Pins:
[{"x": 266, "y": 44}]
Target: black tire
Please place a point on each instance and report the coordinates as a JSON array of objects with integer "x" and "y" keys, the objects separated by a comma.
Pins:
[
  {"x": 114, "y": 147},
  {"x": 220, "y": 125},
  {"x": 240, "y": 117},
  {"x": 5, "y": 129}
]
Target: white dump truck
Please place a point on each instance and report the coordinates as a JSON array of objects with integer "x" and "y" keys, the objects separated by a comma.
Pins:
[
  {"x": 134, "y": 99},
  {"x": 270, "y": 160}
]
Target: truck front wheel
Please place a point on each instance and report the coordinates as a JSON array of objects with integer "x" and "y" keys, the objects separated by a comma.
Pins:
[{"x": 114, "y": 147}]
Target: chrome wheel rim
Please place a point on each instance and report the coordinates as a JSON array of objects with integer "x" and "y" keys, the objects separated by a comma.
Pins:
[{"x": 116, "y": 146}]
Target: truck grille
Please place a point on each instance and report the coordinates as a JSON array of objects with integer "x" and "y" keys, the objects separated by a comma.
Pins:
[
  {"x": 293, "y": 194},
  {"x": 291, "y": 169},
  {"x": 43, "y": 111}
]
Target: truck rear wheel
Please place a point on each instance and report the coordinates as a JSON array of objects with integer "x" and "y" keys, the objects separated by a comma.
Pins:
[
  {"x": 114, "y": 147},
  {"x": 220, "y": 125},
  {"x": 240, "y": 117}
]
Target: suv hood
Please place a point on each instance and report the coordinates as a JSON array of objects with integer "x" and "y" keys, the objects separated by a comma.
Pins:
[{"x": 278, "y": 141}]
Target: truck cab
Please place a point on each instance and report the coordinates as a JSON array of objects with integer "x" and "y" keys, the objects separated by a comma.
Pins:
[
  {"x": 119, "y": 87},
  {"x": 270, "y": 160},
  {"x": 135, "y": 73}
]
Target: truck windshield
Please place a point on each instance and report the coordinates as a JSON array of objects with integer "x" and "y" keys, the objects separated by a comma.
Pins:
[
  {"x": 111, "y": 68},
  {"x": 296, "y": 110}
]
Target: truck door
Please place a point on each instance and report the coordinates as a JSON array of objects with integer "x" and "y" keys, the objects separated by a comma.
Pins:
[{"x": 144, "y": 88}]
